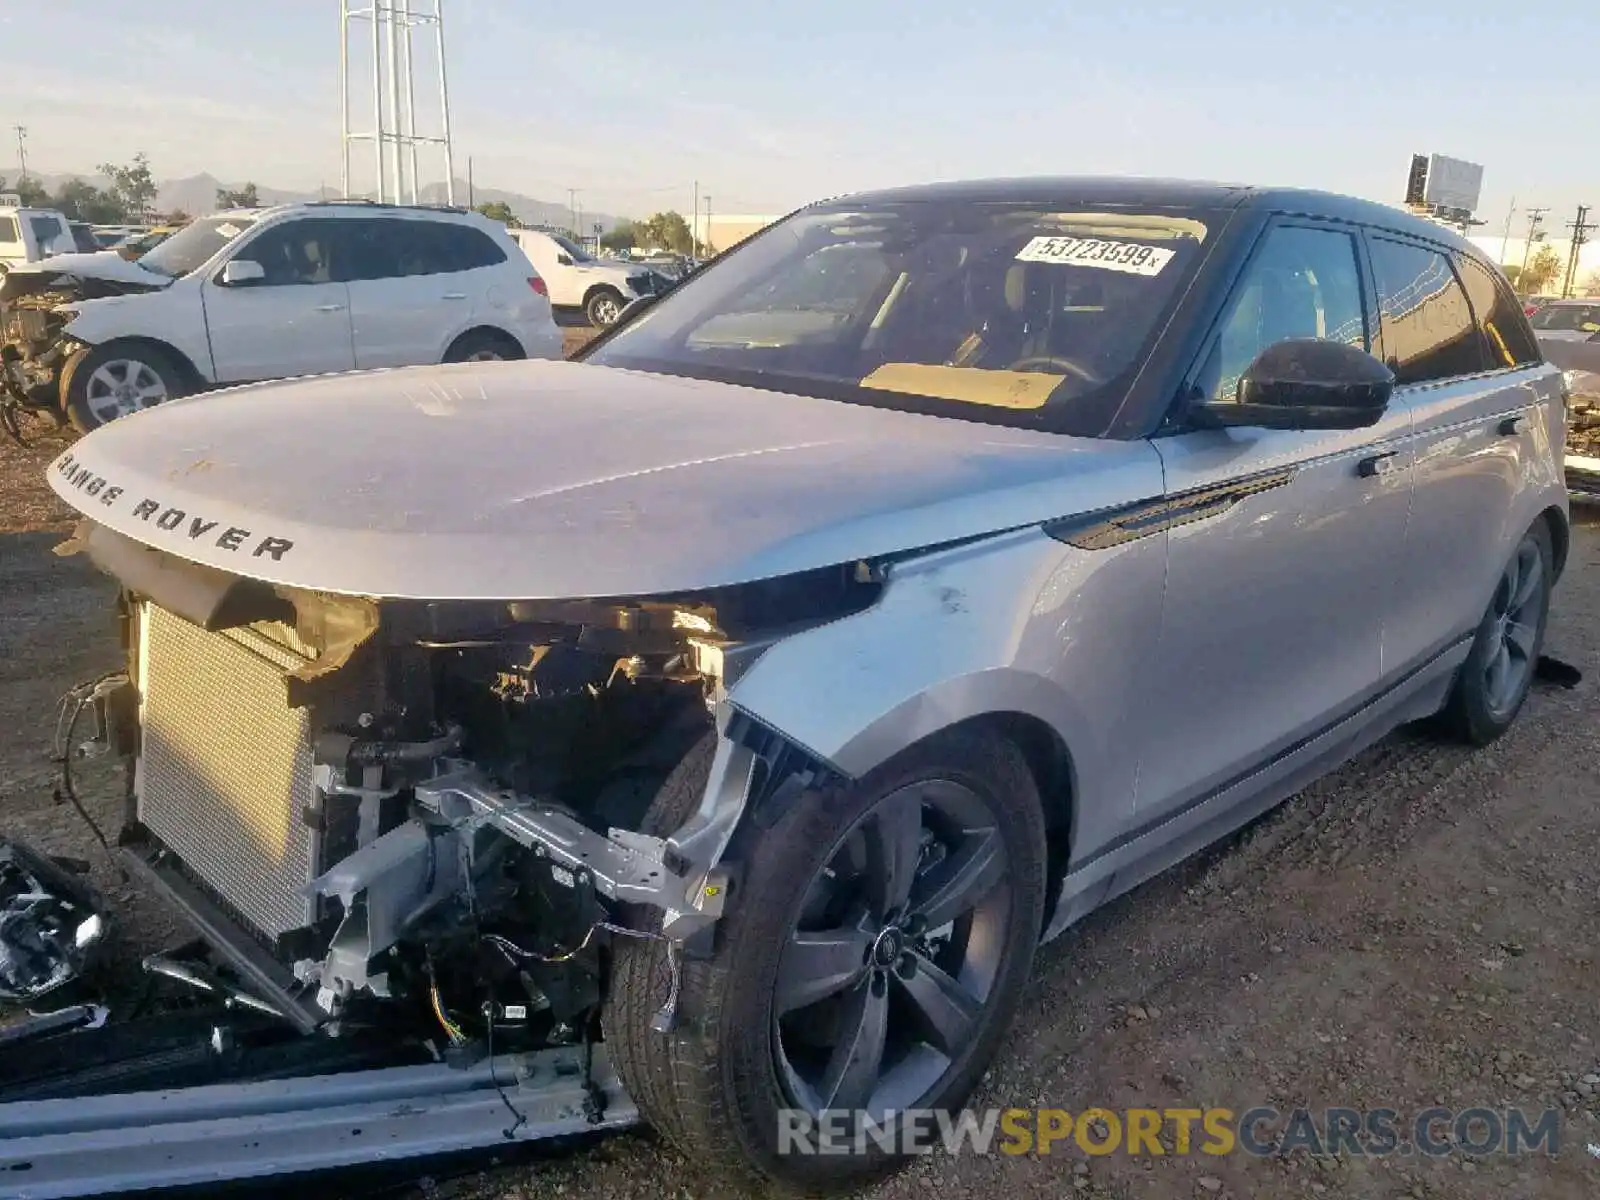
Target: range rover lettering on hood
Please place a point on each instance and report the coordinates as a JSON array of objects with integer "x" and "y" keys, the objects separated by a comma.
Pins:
[
  {"x": 558, "y": 480},
  {"x": 178, "y": 522}
]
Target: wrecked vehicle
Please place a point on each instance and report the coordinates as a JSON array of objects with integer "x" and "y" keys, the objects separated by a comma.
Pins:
[
  {"x": 711, "y": 730},
  {"x": 269, "y": 293},
  {"x": 1569, "y": 336}
]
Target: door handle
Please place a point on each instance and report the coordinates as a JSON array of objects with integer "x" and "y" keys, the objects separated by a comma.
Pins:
[
  {"x": 1510, "y": 426},
  {"x": 454, "y": 296},
  {"x": 1377, "y": 464},
  {"x": 330, "y": 308}
]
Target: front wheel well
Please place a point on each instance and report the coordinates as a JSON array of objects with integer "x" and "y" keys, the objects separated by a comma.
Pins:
[
  {"x": 596, "y": 288},
  {"x": 192, "y": 378},
  {"x": 1050, "y": 763},
  {"x": 1560, "y": 538}
]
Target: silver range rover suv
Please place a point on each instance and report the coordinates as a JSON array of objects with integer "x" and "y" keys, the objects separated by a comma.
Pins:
[{"x": 746, "y": 702}]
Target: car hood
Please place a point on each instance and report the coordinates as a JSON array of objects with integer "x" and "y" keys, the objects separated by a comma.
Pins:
[
  {"x": 541, "y": 480},
  {"x": 102, "y": 266}
]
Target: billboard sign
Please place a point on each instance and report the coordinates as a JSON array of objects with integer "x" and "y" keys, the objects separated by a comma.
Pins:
[{"x": 1453, "y": 183}]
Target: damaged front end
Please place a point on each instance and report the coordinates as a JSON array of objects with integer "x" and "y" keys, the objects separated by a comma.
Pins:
[
  {"x": 417, "y": 827},
  {"x": 35, "y": 308}
]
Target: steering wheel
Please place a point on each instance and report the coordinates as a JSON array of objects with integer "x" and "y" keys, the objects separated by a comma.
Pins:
[{"x": 1050, "y": 360}]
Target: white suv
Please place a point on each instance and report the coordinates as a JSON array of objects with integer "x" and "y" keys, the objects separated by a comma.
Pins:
[{"x": 256, "y": 294}]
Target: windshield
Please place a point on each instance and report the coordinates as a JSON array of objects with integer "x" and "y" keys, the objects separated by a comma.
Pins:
[
  {"x": 991, "y": 312},
  {"x": 1579, "y": 318},
  {"x": 194, "y": 245},
  {"x": 576, "y": 252}
]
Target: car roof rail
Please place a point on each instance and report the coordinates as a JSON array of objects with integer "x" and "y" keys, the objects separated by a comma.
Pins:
[{"x": 363, "y": 201}]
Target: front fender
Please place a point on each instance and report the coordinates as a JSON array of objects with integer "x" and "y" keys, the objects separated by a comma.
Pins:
[
  {"x": 174, "y": 317},
  {"x": 1020, "y": 623}
]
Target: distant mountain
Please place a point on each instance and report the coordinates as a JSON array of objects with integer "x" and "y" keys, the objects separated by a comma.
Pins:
[{"x": 197, "y": 195}]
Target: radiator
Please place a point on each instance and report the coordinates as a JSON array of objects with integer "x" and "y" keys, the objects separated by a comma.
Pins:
[{"x": 226, "y": 767}]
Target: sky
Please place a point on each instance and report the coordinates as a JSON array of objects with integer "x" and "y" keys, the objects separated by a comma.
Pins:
[{"x": 772, "y": 105}]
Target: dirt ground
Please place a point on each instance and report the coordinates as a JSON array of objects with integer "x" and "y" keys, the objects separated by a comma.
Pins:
[{"x": 1416, "y": 930}]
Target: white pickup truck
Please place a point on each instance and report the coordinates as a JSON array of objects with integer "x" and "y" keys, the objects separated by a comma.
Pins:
[
  {"x": 30, "y": 234},
  {"x": 602, "y": 288}
]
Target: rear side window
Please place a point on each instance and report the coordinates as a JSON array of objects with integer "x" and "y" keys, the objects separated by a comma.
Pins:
[
  {"x": 1507, "y": 340},
  {"x": 9, "y": 231},
  {"x": 397, "y": 247},
  {"x": 1428, "y": 331},
  {"x": 463, "y": 248}
]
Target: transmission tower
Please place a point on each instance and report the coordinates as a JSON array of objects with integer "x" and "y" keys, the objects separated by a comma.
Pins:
[{"x": 378, "y": 38}]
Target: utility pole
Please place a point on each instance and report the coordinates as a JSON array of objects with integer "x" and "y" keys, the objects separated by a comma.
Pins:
[
  {"x": 708, "y": 218},
  {"x": 1580, "y": 227},
  {"x": 1535, "y": 218},
  {"x": 471, "y": 194},
  {"x": 694, "y": 229},
  {"x": 1505, "y": 236},
  {"x": 572, "y": 208},
  {"x": 22, "y": 152}
]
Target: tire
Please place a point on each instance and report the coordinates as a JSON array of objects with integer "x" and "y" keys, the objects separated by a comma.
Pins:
[
  {"x": 101, "y": 383},
  {"x": 1483, "y": 703},
  {"x": 715, "y": 1085},
  {"x": 483, "y": 345},
  {"x": 603, "y": 306}
]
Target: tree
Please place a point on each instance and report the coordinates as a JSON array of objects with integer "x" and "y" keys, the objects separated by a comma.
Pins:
[
  {"x": 666, "y": 231},
  {"x": 1591, "y": 285},
  {"x": 244, "y": 197},
  {"x": 132, "y": 185},
  {"x": 1512, "y": 272},
  {"x": 30, "y": 191},
  {"x": 497, "y": 210},
  {"x": 178, "y": 217},
  {"x": 622, "y": 237},
  {"x": 1541, "y": 270},
  {"x": 82, "y": 201}
]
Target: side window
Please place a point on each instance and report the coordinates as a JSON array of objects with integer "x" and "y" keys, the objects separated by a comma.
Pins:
[
  {"x": 371, "y": 249},
  {"x": 462, "y": 248},
  {"x": 294, "y": 252},
  {"x": 9, "y": 231},
  {"x": 1302, "y": 283},
  {"x": 1507, "y": 339},
  {"x": 1428, "y": 333},
  {"x": 47, "y": 233},
  {"x": 399, "y": 246}
]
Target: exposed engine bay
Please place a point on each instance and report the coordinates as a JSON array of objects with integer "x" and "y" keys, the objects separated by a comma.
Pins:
[
  {"x": 425, "y": 817},
  {"x": 35, "y": 306}
]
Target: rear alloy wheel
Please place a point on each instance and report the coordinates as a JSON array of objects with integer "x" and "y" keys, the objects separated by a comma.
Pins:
[
  {"x": 603, "y": 308},
  {"x": 101, "y": 383},
  {"x": 483, "y": 346},
  {"x": 1498, "y": 673},
  {"x": 878, "y": 940}
]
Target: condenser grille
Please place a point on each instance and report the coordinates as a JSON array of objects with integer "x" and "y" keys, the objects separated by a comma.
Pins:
[{"x": 227, "y": 770}]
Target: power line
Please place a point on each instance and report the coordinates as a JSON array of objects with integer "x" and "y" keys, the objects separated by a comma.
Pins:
[
  {"x": 1535, "y": 219},
  {"x": 1580, "y": 226}
]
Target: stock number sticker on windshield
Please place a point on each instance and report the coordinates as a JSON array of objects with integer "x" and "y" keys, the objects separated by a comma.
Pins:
[{"x": 1128, "y": 257}]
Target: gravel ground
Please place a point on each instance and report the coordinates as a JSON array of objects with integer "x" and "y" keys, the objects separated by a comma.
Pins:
[{"x": 1417, "y": 929}]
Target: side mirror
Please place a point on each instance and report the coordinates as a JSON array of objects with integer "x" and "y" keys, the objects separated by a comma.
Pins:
[
  {"x": 1305, "y": 383},
  {"x": 564, "y": 259},
  {"x": 240, "y": 271}
]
